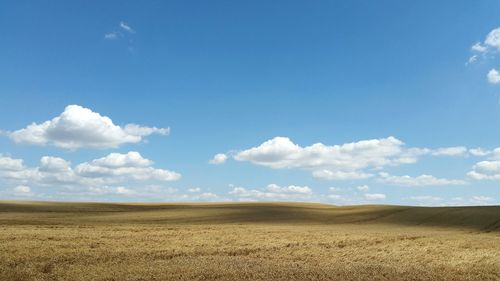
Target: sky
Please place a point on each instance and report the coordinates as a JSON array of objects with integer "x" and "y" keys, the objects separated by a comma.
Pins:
[{"x": 338, "y": 102}]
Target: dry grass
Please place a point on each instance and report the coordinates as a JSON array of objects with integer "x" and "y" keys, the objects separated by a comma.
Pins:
[{"x": 84, "y": 241}]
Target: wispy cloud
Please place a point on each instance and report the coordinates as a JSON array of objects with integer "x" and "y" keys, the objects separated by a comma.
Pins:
[
  {"x": 122, "y": 31},
  {"x": 111, "y": 35},
  {"x": 126, "y": 27},
  {"x": 422, "y": 180}
]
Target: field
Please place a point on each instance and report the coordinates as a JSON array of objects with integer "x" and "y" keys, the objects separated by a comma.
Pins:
[{"x": 247, "y": 241}]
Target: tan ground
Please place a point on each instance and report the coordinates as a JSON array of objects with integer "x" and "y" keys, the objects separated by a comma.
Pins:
[{"x": 261, "y": 241}]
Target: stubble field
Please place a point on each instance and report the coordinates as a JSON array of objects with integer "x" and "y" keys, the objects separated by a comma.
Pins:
[{"x": 247, "y": 241}]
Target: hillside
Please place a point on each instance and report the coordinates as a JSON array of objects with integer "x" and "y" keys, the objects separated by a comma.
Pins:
[
  {"x": 246, "y": 241},
  {"x": 484, "y": 218}
]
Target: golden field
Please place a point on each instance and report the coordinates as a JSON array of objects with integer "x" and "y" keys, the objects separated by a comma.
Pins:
[{"x": 247, "y": 241}]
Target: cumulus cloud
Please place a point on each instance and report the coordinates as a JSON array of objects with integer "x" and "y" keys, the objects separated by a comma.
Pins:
[
  {"x": 124, "y": 166},
  {"x": 15, "y": 170},
  {"x": 492, "y": 40},
  {"x": 356, "y": 160},
  {"x": 194, "y": 189},
  {"x": 487, "y": 49},
  {"x": 486, "y": 170},
  {"x": 281, "y": 152},
  {"x": 493, "y": 76},
  {"x": 79, "y": 127},
  {"x": 490, "y": 46},
  {"x": 422, "y": 180},
  {"x": 218, "y": 159},
  {"x": 273, "y": 192},
  {"x": 10, "y": 164},
  {"x": 95, "y": 175}
]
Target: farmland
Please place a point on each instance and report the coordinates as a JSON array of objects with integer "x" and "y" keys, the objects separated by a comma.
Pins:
[{"x": 247, "y": 241}]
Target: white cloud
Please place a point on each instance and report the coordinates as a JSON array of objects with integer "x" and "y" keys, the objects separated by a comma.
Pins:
[
  {"x": 479, "y": 152},
  {"x": 347, "y": 161},
  {"x": 124, "y": 166},
  {"x": 491, "y": 45},
  {"x": 492, "y": 40},
  {"x": 9, "y": 164},
  {"x": 49, "y": 163},
  {"x": 450, "y": 151},
  {"x": 485, "y": 170},
  {"x": 15, "y": 170},
  {"x": 336, "y": 197},
  {"x": 281, "y": 152},
  {"x": 194, "y": 189},
  {"x": 422, "y": 180},
  {"x": 482, "y": 200},
  {"x": 79, "y": 127},
  {"x": 273, "y": 192},
  {"x": 124, "y": 190},
  {"x": 126, "y": 27},
  {"x": 340, "y": 175},
  {"x": 95, "y": 175},
  {"x": 493, "y": 76},
  {"x": 328, "y": 162},
  {"x": 478, "y": 47},
  {"x": 218, "y": 159},
  {"x": 363, "y": 188},
  {"x": 426, "y": 199},
  {"x": 374, "y": 196},
  {"x": 289, "y": 189},
  {"x": 22, "y": 189},
  {"x": 472, "y": 59},
  {"x": 474, "y": 200},
  {"x": 208, "y": 195}
]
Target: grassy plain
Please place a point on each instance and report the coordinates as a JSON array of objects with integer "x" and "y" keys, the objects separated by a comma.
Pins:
[{"x": 246, "y": 241}]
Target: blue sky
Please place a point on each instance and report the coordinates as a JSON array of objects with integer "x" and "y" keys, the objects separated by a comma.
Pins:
[{"x": 402, "y": 95}]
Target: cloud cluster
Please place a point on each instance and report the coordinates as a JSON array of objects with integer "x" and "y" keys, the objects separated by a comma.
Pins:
[
  {"x": 79, "y": 127},
  {"x": 97, "y": 174},
  {"x": 356, "y": 160},
  {"x": 489, "y": 47}
]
